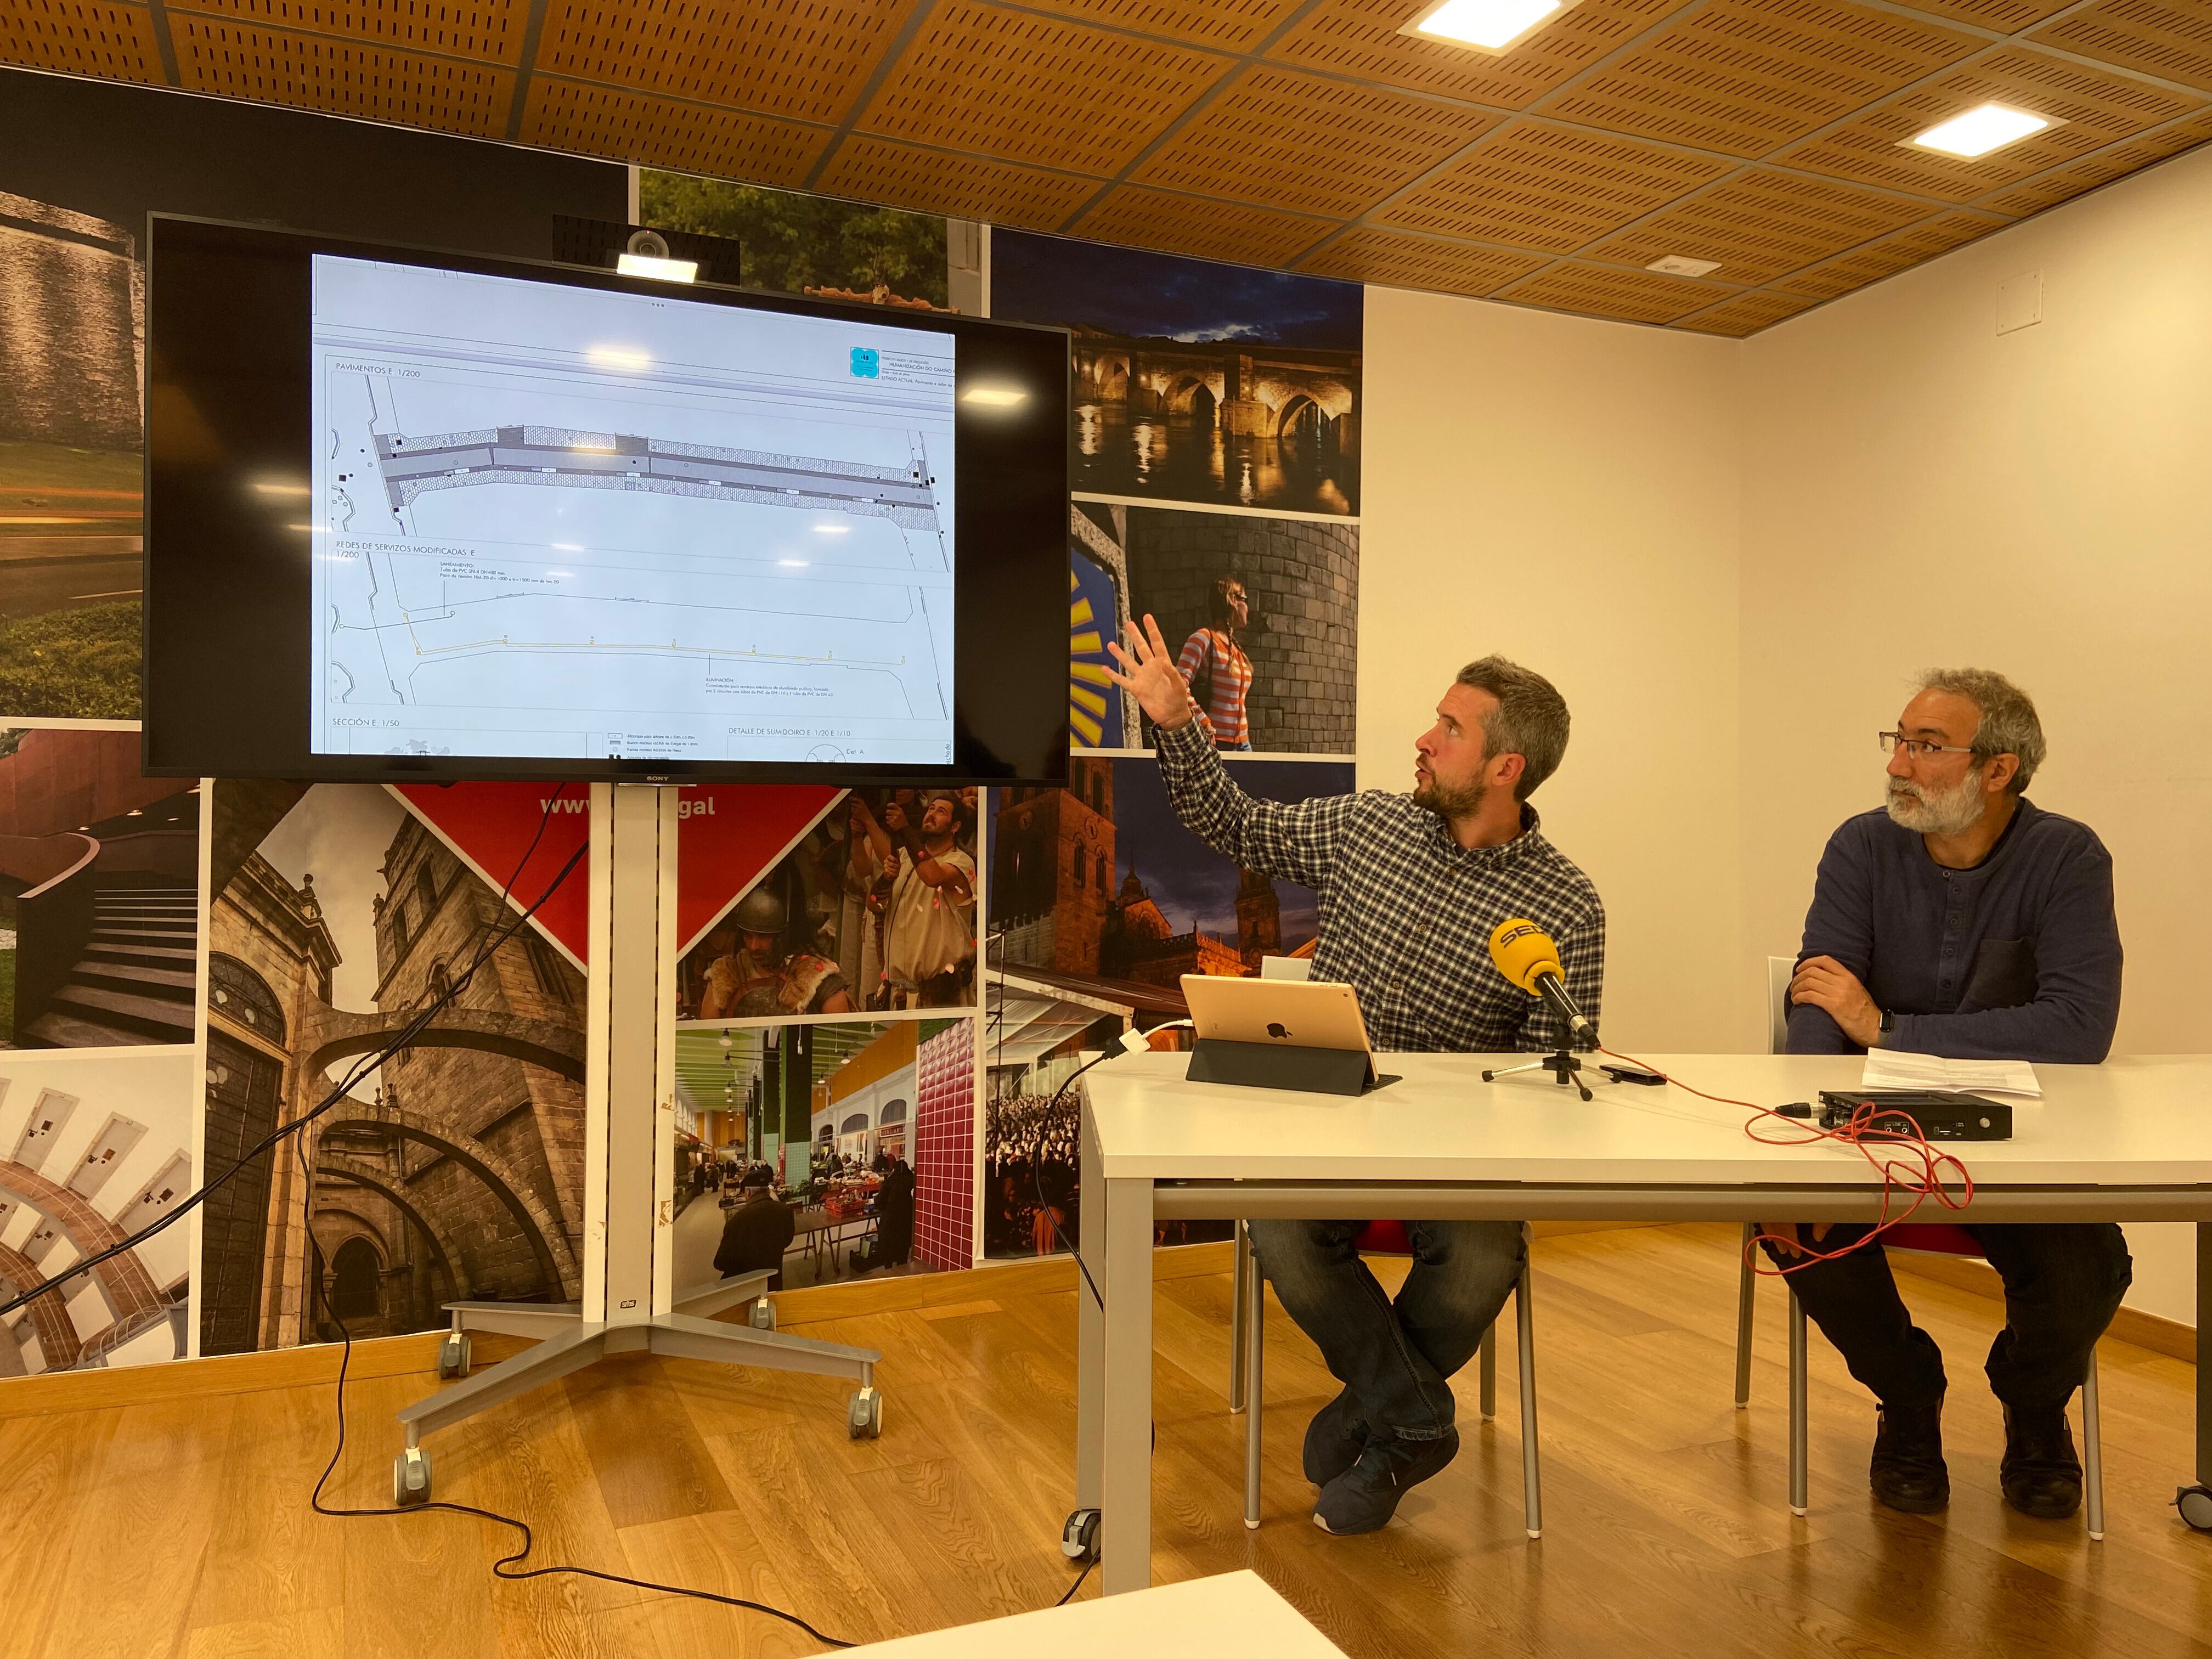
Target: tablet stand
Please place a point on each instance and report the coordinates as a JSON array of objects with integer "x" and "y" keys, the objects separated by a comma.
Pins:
[{"x": 1279, "y": 1065}]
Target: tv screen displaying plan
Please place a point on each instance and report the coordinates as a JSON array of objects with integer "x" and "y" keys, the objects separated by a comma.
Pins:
[{"x": 419, "y": 515}]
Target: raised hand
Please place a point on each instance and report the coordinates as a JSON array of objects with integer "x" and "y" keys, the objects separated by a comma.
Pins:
[{"x": 1149, "y": 674}]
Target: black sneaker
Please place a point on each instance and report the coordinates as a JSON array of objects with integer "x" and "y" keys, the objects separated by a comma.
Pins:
[
  {"x": 1907, "y": 1470},
  {"x": 1335, "y": 1440},
  {"x": 2040, "y": 1474},
  {"x": 1365, "y": 1496}
]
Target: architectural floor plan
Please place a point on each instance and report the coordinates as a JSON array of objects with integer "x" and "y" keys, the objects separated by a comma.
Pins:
[{"x": 563, "y": 522}]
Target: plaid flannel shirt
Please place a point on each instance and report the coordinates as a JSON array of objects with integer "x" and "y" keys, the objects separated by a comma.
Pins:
[{"x": 1405, "y": 911}]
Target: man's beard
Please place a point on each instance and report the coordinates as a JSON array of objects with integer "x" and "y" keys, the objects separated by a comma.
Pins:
[
  {"x": 1950, "y": 812},
  {"x": 1448, "y": 802}
]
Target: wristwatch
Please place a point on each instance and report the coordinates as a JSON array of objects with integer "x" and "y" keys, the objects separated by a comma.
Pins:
[{"x": 1886, "y": 1030}]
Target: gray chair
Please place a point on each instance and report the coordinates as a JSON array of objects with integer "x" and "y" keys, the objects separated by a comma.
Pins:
[
  {"x": 1247, "y": 1345},
  {"x": 1933, "y": 1239}
]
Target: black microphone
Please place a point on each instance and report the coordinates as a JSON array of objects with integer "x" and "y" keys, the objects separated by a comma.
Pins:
[{"x": 1525, "y": 954}]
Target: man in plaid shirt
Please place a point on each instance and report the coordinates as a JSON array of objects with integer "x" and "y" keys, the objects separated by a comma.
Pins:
[{"x": 1410, "y": 887}]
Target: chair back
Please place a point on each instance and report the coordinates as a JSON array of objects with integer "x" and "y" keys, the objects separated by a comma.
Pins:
[
  {"x": 1780, "y": 970},
  {"x": 1933, "y": 1238},
  {"x": 1384, "y": 1238}
]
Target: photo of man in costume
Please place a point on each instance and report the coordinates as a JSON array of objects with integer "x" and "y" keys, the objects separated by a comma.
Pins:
[
  {"x": 929, "y": 947},
  {"x": 1217, "y": 670},
  {"x": 758, "y": 975}
]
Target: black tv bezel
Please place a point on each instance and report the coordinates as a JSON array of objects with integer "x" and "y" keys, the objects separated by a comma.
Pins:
[{"x": 1009, "y": 596}]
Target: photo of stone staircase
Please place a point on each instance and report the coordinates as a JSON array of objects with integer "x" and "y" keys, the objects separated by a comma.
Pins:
[{"x": 134, "y": 984}]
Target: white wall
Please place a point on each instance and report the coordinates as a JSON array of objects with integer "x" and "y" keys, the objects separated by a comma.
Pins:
[
  {"x": 1565, "y": 491},
  {"x": 1919, "y": 491}
]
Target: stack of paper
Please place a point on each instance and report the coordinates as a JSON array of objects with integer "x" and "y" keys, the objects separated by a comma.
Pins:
[{"x": 1887, "y": 1068}]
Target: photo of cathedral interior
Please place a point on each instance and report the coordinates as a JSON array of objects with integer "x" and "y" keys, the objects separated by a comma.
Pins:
[{"x": 454, "y": 1170}]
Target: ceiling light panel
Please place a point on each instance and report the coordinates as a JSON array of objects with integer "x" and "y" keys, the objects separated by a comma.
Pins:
[
  {"x": 1495, "y": 26},
  {"x": 1978, "y": 132}
]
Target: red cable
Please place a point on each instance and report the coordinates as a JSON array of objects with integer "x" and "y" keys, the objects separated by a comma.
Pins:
[{"x": 1927, "y": 1182}]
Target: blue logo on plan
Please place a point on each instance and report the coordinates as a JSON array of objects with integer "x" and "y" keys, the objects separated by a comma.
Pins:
[{"x": 865, "y": 363}]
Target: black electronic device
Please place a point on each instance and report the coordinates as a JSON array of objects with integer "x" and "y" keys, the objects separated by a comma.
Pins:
[
  {"x": 423, "y": 516},
  {"x": 1935, "y": 1114},
  {"x": 1625, "y": 1074}
]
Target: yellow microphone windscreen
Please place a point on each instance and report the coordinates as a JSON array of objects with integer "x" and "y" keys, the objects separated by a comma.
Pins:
[{"x": 1521, "y": 951}]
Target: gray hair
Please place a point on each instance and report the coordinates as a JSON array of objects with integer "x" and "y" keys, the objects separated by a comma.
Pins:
[
  {"x": 2009, "y": 724},
  {"x": 1530, "y": 720}
]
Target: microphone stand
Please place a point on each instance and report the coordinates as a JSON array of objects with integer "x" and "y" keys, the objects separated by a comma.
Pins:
[{"x": 1564, "y": 1067}]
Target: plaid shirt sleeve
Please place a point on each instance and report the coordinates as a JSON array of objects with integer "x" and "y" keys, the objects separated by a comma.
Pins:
[
  {"x": 1582, "y": 964},
  {"x": 1296, "y": 841}
]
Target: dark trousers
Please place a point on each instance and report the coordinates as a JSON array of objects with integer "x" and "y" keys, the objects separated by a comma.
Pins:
[
  {"x": 2062, "y": 1283},
  {"x": 1393, "y": 1355}
]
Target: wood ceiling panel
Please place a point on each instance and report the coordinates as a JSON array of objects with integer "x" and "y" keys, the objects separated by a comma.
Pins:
[
  {"x": 1745, "y": 314},
  {"x": 1237, "y": 25},
  {"x": 1744, "y": 75},
  {"x": 1399, "y": 260},
  {"x": 340, "y": 77},
  {"x": 1890, "y": 255},
  {"x": 1360, "y": 39},
  {"x": 2172, "y": 41},
  {"x": 631, "y": 127},
  {"x": 488, "y": 30},
  {"x": 2097, "y": 108},
  {"x": 1281, "y": 139},
  {"x": 2008, "y": 16},
  {"x": 1027, "y": 88},
  {"x": 1637, "y": 296},
  {"x": 964, "y": 186},
  {"x": 804, "y": 59},
  {"x": 1764, "y": 225},
  {"x": 1552, "y": 188},
  {"x": 2033, "y": 195},
  {"x": 81, "y": 37},
  {"x": 1136, "y": 217}
]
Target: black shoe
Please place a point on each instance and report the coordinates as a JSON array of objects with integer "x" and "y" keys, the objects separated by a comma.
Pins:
[
  {"x": 2040, "y": 1474},
  {"x": 1365, "y": 1496},
  {"x": 1907, "y": 1471},
  {"x": 1335, "y": 1440}
]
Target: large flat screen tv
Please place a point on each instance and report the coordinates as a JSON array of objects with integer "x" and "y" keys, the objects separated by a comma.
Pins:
[{"x": 419, "y": 515}]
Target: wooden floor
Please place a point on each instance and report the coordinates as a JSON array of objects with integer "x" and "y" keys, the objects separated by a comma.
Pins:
[{"x": 180, "y": 1527}]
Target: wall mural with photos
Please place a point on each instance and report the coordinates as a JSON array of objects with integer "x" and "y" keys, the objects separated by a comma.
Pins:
[
  {"x": 459, "y": 1167},
  {"x": 1216, "y": 431}
]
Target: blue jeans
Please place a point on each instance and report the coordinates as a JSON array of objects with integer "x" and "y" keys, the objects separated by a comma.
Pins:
[{"x": 1393, "y": 1356}]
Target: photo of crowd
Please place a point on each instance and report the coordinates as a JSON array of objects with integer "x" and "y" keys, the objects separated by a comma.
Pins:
[
  {"x": 874, "y": 910},
  {"x": 824, "y": 1151}
]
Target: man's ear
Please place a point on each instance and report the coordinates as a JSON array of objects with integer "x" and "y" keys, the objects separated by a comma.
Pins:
[
  {"x": 1506, "y": 769},
  {"x": 2001, "y": 770}
]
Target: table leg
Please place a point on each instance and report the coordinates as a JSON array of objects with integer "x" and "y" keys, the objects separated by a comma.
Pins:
[
  {"x": 1090, "y": 1329},
  {"x": 2204, "y": 1354},
  {"x": 1126, "y": 1520}
]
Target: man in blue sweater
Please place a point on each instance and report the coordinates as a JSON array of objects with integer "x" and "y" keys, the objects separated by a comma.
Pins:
[{"x": 1965, "y": 922}]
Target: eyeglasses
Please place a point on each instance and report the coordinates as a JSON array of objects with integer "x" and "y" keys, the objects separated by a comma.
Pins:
[{"x": 1918, "y": 748}]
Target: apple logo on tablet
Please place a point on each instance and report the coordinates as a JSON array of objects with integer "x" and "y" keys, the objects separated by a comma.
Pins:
[{"x": 1277, "y": 1029}]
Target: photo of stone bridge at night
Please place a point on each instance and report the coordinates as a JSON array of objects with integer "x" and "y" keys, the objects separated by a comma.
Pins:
[
  {"x": 1286, "y": 394},
  {"x": 564, "y": 458}
]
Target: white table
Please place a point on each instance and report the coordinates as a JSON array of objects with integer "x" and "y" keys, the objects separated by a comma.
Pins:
[
  {"x": 1232, "y": 1615},
  {"x": 2129, "y": 1140}
]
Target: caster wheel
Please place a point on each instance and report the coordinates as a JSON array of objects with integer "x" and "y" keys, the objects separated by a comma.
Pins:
[
  {"x": 763, "y": 1317},
  {"x": 454, "y": 1355},
  {"x": 1079, "y": 1535},
  {"x": 410, "y": 1477},
  {"x": 864, "y": 1415},
  {"x": 2195, "y": 1503}
]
